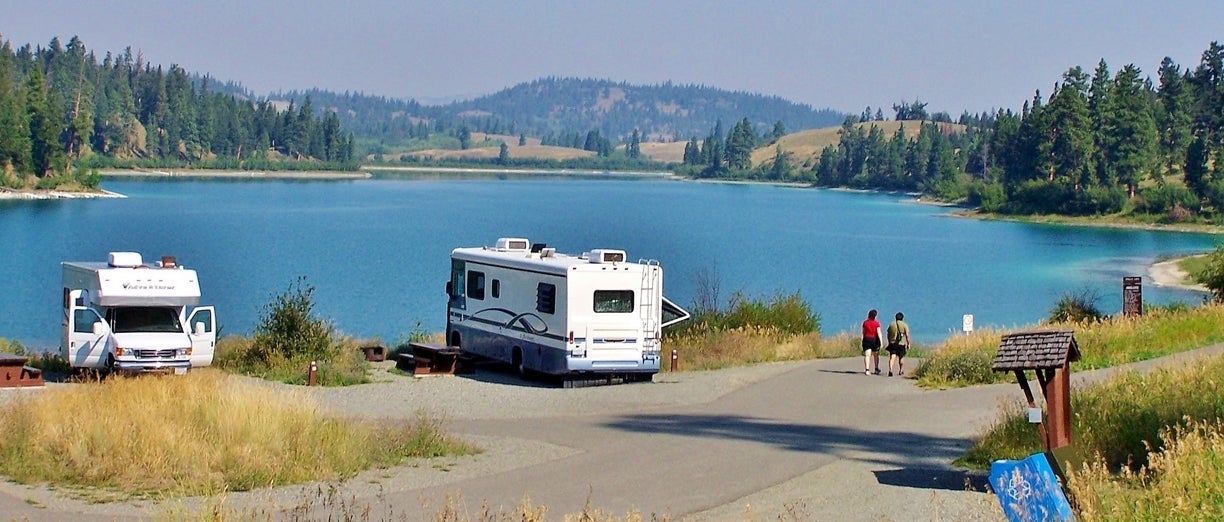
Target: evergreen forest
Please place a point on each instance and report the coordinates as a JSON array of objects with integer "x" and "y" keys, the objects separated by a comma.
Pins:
[
  {"x": 1100, "y": 143},
  {"x": 64, "y": 113}
]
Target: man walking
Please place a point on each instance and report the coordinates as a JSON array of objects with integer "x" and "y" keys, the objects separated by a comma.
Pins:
[{"x": 898, "y": 344}]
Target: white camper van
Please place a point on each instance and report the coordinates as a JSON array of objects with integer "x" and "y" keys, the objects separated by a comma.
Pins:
[
  {"x": 563, "y": 315},
  {"x": 125, "y": 315}
]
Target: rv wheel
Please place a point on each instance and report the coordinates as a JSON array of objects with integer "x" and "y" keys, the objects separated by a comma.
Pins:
[{"x": 110, "y": 362}]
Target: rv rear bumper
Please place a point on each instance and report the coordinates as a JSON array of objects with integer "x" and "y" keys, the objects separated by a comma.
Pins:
[{"x": 577, "y": 364}]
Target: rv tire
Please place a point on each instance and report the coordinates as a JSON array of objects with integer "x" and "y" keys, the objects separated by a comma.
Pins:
[{"x": 110, "y": 362}]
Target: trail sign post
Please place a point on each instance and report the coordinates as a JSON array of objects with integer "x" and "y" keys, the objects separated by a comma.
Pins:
[{"x": 1132, "y": 296}]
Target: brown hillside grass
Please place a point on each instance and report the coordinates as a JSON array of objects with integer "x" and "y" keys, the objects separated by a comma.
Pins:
[
  {"x": 532, "y": 149},
  {"x": 806, "y": 146},
  {"x": 671, "y": 152}
]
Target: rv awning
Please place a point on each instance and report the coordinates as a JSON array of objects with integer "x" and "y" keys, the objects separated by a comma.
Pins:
[
  {"x": 147, "y": 287},
  {"x": 672, "y": 314}
]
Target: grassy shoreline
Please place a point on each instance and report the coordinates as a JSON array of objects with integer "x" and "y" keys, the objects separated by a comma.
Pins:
[
  {"x": 1093, "y": 221},
  {"x": 231, "y": 174}
]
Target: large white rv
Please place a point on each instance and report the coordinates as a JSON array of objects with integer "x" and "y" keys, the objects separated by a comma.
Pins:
[
  {"x": 594, "y": 314},
  {"x": 125, "y": 315}
]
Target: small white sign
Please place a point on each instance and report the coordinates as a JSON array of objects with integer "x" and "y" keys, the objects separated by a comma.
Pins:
[
  {"x": 967, "y": 323},
  {"x": 1034, "y": 415}
]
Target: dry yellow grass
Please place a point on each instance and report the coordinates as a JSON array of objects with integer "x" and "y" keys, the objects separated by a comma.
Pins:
[
  {"x": 530, "y": 149},
  {"x": 714, "y": 349},
  {"x": 806, "y": 146},
  {"x": 199, "y": 434},
  {"x": 670, "y": 152}
]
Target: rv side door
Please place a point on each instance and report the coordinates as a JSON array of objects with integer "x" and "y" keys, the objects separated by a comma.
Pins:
[
  {"x": 202, "y": 323},
  {"x": 457, "y": 285},
  {"x": 87, "y": 338}
]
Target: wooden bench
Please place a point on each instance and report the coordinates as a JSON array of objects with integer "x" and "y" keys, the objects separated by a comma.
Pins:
[
  {"x": 428, "y": 359},
  {"x": 14, "y": 373},
  {"x": 373, "y": 351}
]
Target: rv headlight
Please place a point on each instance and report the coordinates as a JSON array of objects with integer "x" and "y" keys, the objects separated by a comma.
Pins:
[
  {"x": 118, "y": 351},
  {"x": 184, "y": 351}
]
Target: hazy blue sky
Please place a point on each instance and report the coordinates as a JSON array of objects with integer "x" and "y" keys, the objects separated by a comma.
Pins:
[{"x": 955, "y": 55}]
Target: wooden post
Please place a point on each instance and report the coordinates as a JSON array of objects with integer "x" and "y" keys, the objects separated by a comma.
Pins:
[{"x": 1058, "y": 405}]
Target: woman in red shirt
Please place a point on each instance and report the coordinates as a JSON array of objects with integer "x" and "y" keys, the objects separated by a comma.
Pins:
[{"x": 871, "y": 343}]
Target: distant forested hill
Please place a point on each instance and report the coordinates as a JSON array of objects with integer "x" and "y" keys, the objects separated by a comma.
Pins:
[
  {"x": 660, "y": 112},
  {"x": 559, "y": 106}
]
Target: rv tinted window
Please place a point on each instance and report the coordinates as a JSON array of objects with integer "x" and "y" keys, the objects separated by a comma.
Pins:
[
  {"x": 476, "y": 284},
  {"x": 496, "y": 288},
  {"x": 613, "y": 301},
  {"x": 546, "y": 298}
]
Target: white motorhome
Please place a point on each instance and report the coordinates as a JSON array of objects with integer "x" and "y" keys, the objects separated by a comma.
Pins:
[
  {"x": 125, "y": 315},
  {"x": 592, "y": 314}
]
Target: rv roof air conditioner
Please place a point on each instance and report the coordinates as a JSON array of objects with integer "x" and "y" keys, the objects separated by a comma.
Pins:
[
  {"x": 512, "y": 244},
  {"x": 607, "y": 256},
  {"x": 124, "y": 259}
]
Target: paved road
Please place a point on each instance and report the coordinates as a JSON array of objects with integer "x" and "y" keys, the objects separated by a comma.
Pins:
[{"x": 814, "y": 440}]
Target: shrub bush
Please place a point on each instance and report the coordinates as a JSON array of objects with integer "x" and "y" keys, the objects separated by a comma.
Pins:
[
  {"x": 289, "y": 328},
  {"x": 288, "y": 338},
  {"x": 1077, "y": 307}
]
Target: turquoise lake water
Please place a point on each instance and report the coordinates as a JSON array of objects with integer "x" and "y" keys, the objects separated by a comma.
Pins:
[{"x": 377, "y": 250}]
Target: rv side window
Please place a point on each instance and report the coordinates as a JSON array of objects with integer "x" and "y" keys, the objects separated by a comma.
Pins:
[
  {"x": 546, "y": 298},
  {"x": 83, "y": 320},
  {"x": 476, "y": 284},
  {"x": 496, "y": 288},
  {"x": 613, "y": 301}
]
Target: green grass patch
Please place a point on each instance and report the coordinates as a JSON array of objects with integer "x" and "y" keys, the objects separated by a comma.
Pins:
[
  {"x": 751, "y": 331},
  {"x": 204, "y": 433},
  {"x": 1119, "y": 420},
  {"x": 1194, "y": 266},
  {"x": 965, "y": 360},
  {"x": 1154, "y": 441}
]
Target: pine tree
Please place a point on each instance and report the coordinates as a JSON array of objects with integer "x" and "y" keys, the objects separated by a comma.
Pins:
[
  {"x": 14, "y": 122},
  {"x": 1129, "y": 130},
  {"x": 1174, "y": 118},
  {"x": 45, "y": 152},
  {"x": 1069, "y": 131}
]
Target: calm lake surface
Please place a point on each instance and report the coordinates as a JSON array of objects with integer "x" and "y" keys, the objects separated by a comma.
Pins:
[{"x": 377, "y": 250}]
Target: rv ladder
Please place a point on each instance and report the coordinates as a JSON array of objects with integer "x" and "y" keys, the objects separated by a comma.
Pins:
[{"x": 650, "y": 291}]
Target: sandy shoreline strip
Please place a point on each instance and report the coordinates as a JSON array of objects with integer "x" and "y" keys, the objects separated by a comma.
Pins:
[
  {"x": 10, "y": 194},
  {"x": 1168, "y": 274}
]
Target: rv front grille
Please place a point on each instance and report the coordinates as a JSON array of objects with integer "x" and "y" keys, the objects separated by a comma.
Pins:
[{"x": 155, "y": 354}]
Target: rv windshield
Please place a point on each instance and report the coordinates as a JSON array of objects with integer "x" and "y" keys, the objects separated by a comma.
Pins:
[{"x": 144, "y": 319}]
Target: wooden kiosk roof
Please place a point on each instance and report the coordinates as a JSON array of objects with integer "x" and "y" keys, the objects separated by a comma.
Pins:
[{"x": 1036, "y": 350}]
